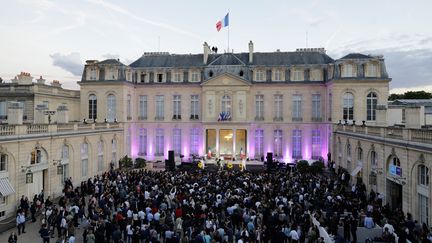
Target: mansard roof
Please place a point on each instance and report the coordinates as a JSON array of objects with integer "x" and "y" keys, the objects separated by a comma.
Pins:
[
  {"x": 259, "y": 59},
  {"x": 111, "y": 62},
  {"x": 356, "y": 56}
]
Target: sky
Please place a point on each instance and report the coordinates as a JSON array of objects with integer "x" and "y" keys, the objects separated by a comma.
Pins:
[{"x": 54, "y": 38}]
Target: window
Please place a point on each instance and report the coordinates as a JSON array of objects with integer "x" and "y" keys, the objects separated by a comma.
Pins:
[
  {"x": 371, "y": 70},
  {"x": 142, "y": 150},
  {"x": 359, "y": 154},
  {"x": 159, "y": 77},
  {"x": 100, "y": 156},
  {"x": 176, "y": 107},
  {"x": 159, "y": 142},
  {"x": 111, "y": 108},
  {"x": 297, "y": 75},
  {"x": 340, "y": 148},
  {"x": 348, "y": 152},
  {"x": 226, "y": 104},
  {"x": 423, "y": 209},
  {"x": 374, "y": 158},
  {"x": 278, "y": 107},
  {"x": 23, "y": 104},
  {"x": 259, "y": 107},
  {"x": 65, "y": 154},
  {"x": 128, "y": 142},
  {"x": 92, "y": 104},
  {"x": 84, "y": 159},
  {"x": 277, "y": 145},
  {"x": 403, "y": 116},
  {"x": 297, "y": 144},
  {"x": 316, "y": 75},
  {"x": 35, "y": 156},
  {"x": 3, "y": 110},
  {"x": 159, "y": 107},
  {"x": 259, "y": 143},
  {"x": 423, "y": 175},
  {"x": 114, "y": 150},
  {"x": 259, "y": 75},
  {"x": 142, "y": 107},
  {"x": 3, "y": 162},
  {"x": 330, "y": 109},
  {"x": 278, "y": 75},
  {"x": 195, "y": 77},
  {"x": 297, "y": 108},
  {"x": 316, "y": 107},
  {"x": 371, "y": 105},
  {"x": 177, "y": 141},
  {"x": 348, "y": 106},
  {"x": 144, "y": 77},
  {"x": 129, "y": 107},
  {"x": 194, "y": 107},
  {"x": 348, "y": 71},
  {"x": 177, "y": 77},
  {"x": 93, "y": 74},
  {"x": 194, "y": 141},
  {"x": 3, "y": 201},
  {"x": 316, "y": 144}
]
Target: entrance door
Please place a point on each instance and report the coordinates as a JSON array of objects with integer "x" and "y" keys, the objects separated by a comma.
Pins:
[
  {"x": 226, "y": 143},
  {"x": 37, "y": 185},
  {"x": 394, "y": 192}
]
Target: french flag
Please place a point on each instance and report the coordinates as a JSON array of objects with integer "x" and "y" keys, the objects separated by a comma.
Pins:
[{"x": 222, "y": 23}]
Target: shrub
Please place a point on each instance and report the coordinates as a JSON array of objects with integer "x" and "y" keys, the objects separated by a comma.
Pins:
[
  {"x": 125, "y": 162},
  {"x": 317, "y": 167},
  {"x": 302, "y": 166},
  {"x": 140, "y": 163}
]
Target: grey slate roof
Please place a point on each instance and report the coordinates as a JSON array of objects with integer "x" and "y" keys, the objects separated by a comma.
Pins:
[
  {"x": 416, "y": 102},
  {"x": 355, "y": 56},
  {"x": 259, "y": 59},
  {"x": 111, "y": 62}
]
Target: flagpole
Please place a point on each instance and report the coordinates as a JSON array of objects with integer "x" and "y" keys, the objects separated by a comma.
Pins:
[{"x": 228, "y": 31}]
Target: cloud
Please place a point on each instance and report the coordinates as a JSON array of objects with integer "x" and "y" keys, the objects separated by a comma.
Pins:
[
  {"x": 120, "y": 10},
  {"x": 70, "y": 62}
]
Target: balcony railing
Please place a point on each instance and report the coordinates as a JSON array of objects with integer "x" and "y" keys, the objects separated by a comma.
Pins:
[
  {"x": 406, "y": 134},
  {"x": 11, "y": 130}
]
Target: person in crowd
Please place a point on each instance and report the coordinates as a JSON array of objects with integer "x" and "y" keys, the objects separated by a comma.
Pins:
[
  {"x": 20, "y": 222},
  {"x": 12, "y": 238}
]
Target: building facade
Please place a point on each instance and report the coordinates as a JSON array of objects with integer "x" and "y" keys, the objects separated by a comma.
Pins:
[
  {"x": 42, "y": 141},
  {"x": 232, "y": 104}
]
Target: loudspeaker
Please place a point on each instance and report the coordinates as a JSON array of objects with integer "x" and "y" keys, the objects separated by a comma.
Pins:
[
  {"x": 169, "y": 163},
  {"x": 269, "y": 161}
]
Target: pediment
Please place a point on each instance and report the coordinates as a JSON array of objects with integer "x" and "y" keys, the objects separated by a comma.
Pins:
[{"x": 226, "y": 79}]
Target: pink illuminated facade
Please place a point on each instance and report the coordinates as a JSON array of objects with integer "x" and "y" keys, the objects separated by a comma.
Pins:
[{"x": 233, "y": 105}]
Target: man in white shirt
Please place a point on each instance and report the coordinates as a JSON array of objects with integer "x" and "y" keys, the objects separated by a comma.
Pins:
[{"x": 294, "y": 236}]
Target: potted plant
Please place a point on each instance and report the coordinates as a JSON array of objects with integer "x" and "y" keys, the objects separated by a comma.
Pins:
[
  {"x": 125, "y": 162},
  {"x": 140, "y": 163}
]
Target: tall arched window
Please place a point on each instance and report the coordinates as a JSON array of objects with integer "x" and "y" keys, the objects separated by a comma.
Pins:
[
  {"x": 348, "y": 106},
  {"x": 3, "y": 162},
  {"x": 100, "y": 156},
  {"x": 423, "y": 175},
  {"x": 92, "y": 104},
  {"x": 111, "y": 108},
  {"x": 226, "y": 104},
  {"x": 359, "y": 154},
  {"x": 348, "y": 147},
  {"x": 129, "y": 107},
  {"x": 371, "y": 104},
  {"x": 373, "y": 158},
  {"x": 84, "y": 159},
  {"x": 114, "y": 151}
]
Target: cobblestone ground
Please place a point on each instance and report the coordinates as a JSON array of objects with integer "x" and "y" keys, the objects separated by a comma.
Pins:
[{"x": 32, "y": 234}]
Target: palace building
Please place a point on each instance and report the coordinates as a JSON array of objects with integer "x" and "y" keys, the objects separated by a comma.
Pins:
[{"x": 224, "y": 105}]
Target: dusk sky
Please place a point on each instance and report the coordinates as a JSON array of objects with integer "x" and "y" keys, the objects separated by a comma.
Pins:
[{"x": 54, "y": 38}]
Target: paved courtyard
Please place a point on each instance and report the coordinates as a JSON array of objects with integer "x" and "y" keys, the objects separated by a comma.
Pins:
[{"x": 32, "y": 234}]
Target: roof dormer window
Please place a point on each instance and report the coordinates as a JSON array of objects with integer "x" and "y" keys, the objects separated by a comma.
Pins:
[
  {"x": 297, "y": 75},
  {"x": 348, "y": 70},
  {"x": 316, "y": 75},
  {"x": 371, "y": 70},
  {"x": 177, "y": 76},
  {"x": 278, "y": 75},
  {"x": 259, "y": 75}
]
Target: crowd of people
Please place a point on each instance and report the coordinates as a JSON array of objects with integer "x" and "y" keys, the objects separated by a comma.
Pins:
[{"x": 198, "y": 205}]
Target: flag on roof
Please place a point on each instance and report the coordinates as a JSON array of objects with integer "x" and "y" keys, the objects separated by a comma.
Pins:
[{"x": 223, "y": 22}]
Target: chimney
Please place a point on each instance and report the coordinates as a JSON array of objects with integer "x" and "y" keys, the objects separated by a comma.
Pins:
[
  {"x": 62, "y": 114},
  {"x": 56, "y": 83},
  {"x": 15, "y": 113},
  {"x": 251, "y": 49},
  {"x": 206, "y": 52},
  {"x": 40, "y": 80}
]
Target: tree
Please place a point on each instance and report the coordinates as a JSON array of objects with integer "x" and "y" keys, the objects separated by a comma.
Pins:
[
  {"x": 302, "y": 166},
  {"x": 125, "y": 162},
  {"x": 140, "y": 163},
  {"x": 411, "y": 95}
]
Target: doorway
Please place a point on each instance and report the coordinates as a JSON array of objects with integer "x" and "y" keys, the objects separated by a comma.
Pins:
[{"x": 394, "y": 194}]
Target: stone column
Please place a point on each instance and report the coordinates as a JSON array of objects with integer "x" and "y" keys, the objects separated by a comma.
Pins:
[{"x": 217, "y": 142}]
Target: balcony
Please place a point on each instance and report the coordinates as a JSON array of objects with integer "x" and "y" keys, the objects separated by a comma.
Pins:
[
  {"x": 297, "y": 119},
  {"x": 30, "y": 129},
  {"x": 317, "y": 119},
  {"x": 194, "y": 117},
  {"x": 398, "y": 133},
  {"x": 159, "y": 118},
  {"x": 277, "y": 119},
  {"x": 259, "y": 118},
  {"x": 142, "y": 118},
  {"x": 176, "y": 117}
]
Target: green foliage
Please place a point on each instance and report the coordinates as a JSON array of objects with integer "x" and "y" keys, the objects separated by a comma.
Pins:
[
  {"x": 411, "y": 95},
  {"x": 317, "y": 167},
  {"x": 125, "y": 162},
  {"x": 302, "y": 166},
  {"x": 140, "y": 163}
]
